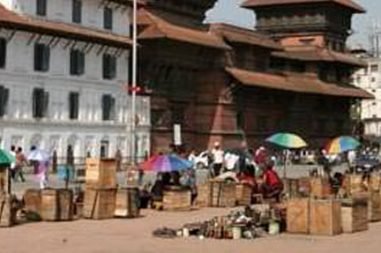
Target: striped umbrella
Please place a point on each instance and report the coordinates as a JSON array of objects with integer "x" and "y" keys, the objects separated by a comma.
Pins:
[
  {"x": 342, "y": 144},
  {"x": 166, "y": 163},
  {"x": 287, "y": 140}
]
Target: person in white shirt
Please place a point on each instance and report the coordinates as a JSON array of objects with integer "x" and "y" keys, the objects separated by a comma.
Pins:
[
  {"x": 218, "y": 159},
  {"x": 192, "y": 158}
]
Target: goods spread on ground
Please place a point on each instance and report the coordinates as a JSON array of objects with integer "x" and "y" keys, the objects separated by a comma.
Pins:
[{"x": 252, "y": 222}]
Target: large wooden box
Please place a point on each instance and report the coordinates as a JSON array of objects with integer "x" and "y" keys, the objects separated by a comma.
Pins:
[
  {"x": 325, "y": 217},
  {"x": 354, "y": 184},
  {"x": 320, "y": 188},
  {"x": 127, "y": 203},
  {"x": 99, "y": 203},
  {"x": 375, "y": 182},
  {"x": 101, "y": 173},
  {"x": 298, "y": 215},
  {"x": 354, "y": 214},
  {"x": 222, "y": 194},
  {"x": 374, "y": 207},
  {"x": 32, "y": 200},
  {"x": 56, "y": 205},
  {"x": 304, "y": 187},
  {"x": 243, "y": 194},
  {"x": 291, "y": 187},
  {"x": 4, "y": 180},
  {"x": 177, "y": 200},
  {"x": 7, "y": 214},
  {"x": 203, "y": 195}
]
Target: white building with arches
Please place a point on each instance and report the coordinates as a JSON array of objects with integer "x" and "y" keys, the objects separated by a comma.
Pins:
[{"x": 64, "y": 68}]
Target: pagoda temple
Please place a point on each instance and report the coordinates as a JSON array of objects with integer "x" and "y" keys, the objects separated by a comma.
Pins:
[{"x": 225, "y": 83}]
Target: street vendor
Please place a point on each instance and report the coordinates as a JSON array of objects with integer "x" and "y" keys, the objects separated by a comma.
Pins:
[{"x": 272, "y": 185}]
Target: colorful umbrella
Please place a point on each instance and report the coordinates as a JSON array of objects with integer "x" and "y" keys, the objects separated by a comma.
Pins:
[
  {"x": 6, "y": 158},
  {"x": 342, "y": 144},
  {"x": 287, "y": 140},
  {"x": 39, "y": 155},
  {"x": 166, "y": 163}
]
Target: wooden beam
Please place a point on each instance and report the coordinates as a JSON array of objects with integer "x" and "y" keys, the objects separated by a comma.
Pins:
[
  {"x": 10, "y": 37},
  {"x": 88, "y": 50}
]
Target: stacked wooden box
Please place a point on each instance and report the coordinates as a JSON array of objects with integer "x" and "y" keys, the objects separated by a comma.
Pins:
[
  {"x": 177, "y": 199},
  {"x": 354, "y": 213},
  {"x": 304, "y": 187},
  {"x": 375, "y": 182},
  {"x": 314, "y": 216},
  {"x": 222, "y": 194},
  {"x": 217, "y": 193},
  {"x": 100, "y": 188},
  {"x": 298, "y": 215},
  {"x": 298, "y": 188},
  {"x": 374, "y": 206},
  {"x": 353, "y": 184},
  {"x": 203, "y": 195},
  {"x": 325, "y": 217},
  {"x": 243, "y": 194},
  {"x": 127, "y": 203},
  {"x": 32, "y": 201},
  {"x": 56, "y": 205},
  {"x": 291, "y": 187},
  {"x": 320, "y": 187},
  {"x": 7, "y": 213}
]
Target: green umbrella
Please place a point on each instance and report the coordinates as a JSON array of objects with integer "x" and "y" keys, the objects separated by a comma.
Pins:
[
  {"x": 6, "y": 158},
  {"x": 287, "y": 140}
]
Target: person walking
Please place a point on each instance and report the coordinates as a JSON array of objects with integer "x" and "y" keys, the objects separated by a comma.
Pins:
[
  {"x": 218, "y": 159},
  {"x": 20, "y": 163},
  {"x": 13, "y": 165},
  {"x": 42, "y": 174}
]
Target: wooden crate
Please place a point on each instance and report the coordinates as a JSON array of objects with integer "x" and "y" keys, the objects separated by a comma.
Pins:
[
  {"x": 304, "y": 187},
  {"x": 56, "y": 205},
  {"x": 99, "y": 203},
  {"x": 374, "y": 207},
  {"x": 375, "y": 182},
  {"x": 325, "y": 217},
  {"x": 5, "y": 180},
  {"x": 203, "y": 195},
  {"x": 127, "y": 203},
  {"x": 222, "y": 194},
  {"x": 291, "y": 187},
  {"x": 101, "y": 173},
  {"x": 32, "y": 200},
  {"x": 298, "y": 210},
  {"x": 353, "y": 184},
  {"x": 177, "y": 200},
  {"x": 354, "y": 214},
  {"x": 320, "y": 188},
  {"x": 7, "y": 213},
  {"x": 243, "y": 194}
]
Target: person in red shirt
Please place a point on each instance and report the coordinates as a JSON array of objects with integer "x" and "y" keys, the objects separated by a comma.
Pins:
[{"x": 272, "y": 185}]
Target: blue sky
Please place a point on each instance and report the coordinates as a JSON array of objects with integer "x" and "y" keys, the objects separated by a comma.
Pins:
[{"x": 228, "y": 11}]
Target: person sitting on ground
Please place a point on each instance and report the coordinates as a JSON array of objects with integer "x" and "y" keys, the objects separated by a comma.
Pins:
[
  {"x": 272, "y": 185},
  {"x": 158, "y": 188}
]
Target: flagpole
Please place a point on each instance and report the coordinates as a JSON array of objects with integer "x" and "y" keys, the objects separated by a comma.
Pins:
[{"x": 134, "y": 79}]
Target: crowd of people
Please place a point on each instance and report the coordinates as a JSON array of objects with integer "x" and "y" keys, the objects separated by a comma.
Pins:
[
  {"x": 40, "y": 168},
  {"x": 255, "y": 168}
]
